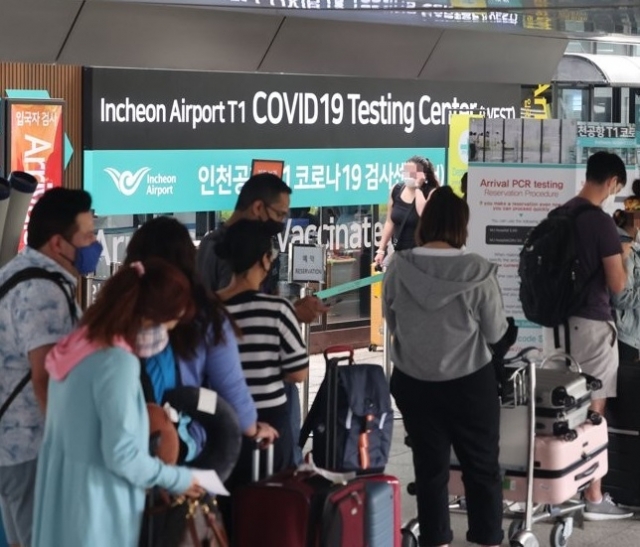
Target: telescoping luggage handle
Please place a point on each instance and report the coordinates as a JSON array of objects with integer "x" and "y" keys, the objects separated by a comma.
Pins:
[
  {"x": 255, "y": 461},
  {"x": 593, "y": 383},
  {"x": 561, "y": 356},
  {"x": 331, "y": 357},
  {"x": 331, "y": 410}
]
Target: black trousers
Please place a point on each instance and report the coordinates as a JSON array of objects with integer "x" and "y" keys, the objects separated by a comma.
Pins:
[
  {"x": 627, "y": 353},
  {"x": 463, "y": 413}
]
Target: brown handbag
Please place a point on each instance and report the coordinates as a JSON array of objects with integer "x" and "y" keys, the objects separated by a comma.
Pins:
[{"x": 204, "y": 524}]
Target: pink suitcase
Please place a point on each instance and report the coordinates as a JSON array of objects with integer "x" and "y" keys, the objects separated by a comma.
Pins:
[{"x": 562, "y": 468}]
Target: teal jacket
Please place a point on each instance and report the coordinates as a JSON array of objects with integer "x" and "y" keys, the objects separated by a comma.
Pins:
[{"x": 627, "y": 303}]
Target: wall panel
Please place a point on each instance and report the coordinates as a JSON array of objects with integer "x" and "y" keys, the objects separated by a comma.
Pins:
[{"x": 62, "y": 82}]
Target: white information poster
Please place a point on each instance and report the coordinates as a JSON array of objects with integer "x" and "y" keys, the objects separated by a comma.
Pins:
[
  {"x": 506, "y": 202},
  {"x": 510, "y": 196},
  {"x": 508, "y": 199}
]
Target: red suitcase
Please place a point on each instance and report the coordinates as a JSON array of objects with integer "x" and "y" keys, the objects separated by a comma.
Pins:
[{"x": 300, "y": 509}]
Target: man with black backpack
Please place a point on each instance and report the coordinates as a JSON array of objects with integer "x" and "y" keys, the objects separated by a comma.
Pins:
[
  {"x": 569, "y": 265},
  {"x": 37, "y": 308}
]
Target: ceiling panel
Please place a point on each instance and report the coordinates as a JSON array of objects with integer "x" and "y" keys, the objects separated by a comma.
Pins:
[
  {"x": 548, "y": 17},
  {"x": 35, "y": 30},
  {"x": 498, "y": 58},
  {"x": 135, "y": 35},
  {"x": 313, "y": 46}
]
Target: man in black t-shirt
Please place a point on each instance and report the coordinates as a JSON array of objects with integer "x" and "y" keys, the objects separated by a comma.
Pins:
[{"x": 592, "y": 331}]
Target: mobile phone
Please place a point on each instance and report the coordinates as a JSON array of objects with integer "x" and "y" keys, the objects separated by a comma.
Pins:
[{"x": 332, "y": 301}]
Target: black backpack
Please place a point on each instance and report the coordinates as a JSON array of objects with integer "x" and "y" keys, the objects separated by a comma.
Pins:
[
  {"x": 69, "y": 292},
  {"x": 552, "y": 285}
]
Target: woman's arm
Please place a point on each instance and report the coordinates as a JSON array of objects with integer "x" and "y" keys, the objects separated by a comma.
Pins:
[
  {"x": 121, "y": 410},
  {"x": 629, "y": 298},
  {"x": 223, "y": 370},
  {"x": 294, "y": 358},
  {"x": 387, "y": 233},
  {"x": 493, "y": 318}
]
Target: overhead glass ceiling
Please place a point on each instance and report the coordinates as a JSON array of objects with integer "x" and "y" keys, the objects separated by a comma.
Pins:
[{"x": 569, "y": 18}]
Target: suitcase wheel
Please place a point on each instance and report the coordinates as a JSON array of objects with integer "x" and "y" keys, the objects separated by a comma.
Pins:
[
  {"x": 517, "y": 525},
  {"x": 595, "y": 384},
  {"x": 408, "y": 539},
  {"x": 560, "y": 534},
  {"x": 594, "y": 418},
  {"x": 570, "y": 435},
  {"x": 373, "y": 347}
]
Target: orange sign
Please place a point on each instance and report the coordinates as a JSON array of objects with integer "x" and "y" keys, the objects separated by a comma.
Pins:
[
  {"x": 35, "y": 141},
  {"x": 275, "y": 167}
]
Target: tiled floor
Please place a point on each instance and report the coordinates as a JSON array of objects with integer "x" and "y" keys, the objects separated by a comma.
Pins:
[{"x": 625, "y": 533}]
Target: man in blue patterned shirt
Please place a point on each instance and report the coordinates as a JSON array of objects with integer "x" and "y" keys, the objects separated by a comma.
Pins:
[{"x": 34, "y": 315}]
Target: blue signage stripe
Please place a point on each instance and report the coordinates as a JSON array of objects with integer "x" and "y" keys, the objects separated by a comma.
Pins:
[{"x": 155, "y": 181}]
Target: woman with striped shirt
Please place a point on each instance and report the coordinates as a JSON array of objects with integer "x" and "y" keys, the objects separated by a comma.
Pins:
[{"x": 271, "y": 347}]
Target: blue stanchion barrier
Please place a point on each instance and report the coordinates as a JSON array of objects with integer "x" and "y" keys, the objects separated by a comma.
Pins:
[
  {"x": 3, "y": 538},
  {"x": 350, "y": 286}
]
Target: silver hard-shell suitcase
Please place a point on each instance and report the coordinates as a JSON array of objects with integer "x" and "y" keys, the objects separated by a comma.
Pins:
[
  {"x": 563, "y": 388},
  {"x": 563, "y": 397}
]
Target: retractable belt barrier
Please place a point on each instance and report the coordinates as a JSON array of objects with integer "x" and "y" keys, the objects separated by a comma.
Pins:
[{"x": 349, "y": 286}]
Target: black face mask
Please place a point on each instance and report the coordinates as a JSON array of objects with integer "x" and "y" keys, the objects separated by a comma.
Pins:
[{"x": 275, "y": 225}]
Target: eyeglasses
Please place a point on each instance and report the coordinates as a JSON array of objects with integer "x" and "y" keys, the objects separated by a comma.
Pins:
[{"x": 280, "y": 215}]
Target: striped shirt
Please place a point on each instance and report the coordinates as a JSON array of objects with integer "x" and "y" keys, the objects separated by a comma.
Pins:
[{"x": 271, "y": 345}]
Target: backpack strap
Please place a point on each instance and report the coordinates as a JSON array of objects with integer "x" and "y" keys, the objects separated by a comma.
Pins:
[
  {"x": 16, "y": 391},
  {"x": 567, "y": 337},
  {"x": 25, "y": 275},
  {"x": 145, "y": 380}
]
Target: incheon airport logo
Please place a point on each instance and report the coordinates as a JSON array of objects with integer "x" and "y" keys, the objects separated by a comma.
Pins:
[{"x": 127, "y": 182}]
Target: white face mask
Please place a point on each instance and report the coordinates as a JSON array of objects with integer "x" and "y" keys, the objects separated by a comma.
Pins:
[
  {"x": 609, "y": 200},
  {"x": 409, "y": 182},
  {"x": 151, "y": 340}
]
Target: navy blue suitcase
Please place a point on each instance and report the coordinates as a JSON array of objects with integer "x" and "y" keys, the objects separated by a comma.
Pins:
[{"x": 380, "y": 525}]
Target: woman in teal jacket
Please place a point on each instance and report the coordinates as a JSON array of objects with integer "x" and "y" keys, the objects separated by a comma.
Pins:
[
  {"x": 627, "y": 303},
  {"x": 94, "y": 464}
]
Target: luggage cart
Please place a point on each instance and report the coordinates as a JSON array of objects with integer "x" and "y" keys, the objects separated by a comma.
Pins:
[
  {"x": 520, "y": 532},
  {"x": 519, "y": 391}
]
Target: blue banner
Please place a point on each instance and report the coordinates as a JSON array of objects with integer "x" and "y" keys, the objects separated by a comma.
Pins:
[
  {"x": 604, "y": 142},
  {"x": 179, "y": 181}
]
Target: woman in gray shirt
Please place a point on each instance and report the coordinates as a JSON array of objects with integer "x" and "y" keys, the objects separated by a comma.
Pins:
[{"x": 443, "y": 307}]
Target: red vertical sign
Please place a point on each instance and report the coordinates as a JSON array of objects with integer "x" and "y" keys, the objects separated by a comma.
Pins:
[{"x": 35, "y": 141}]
